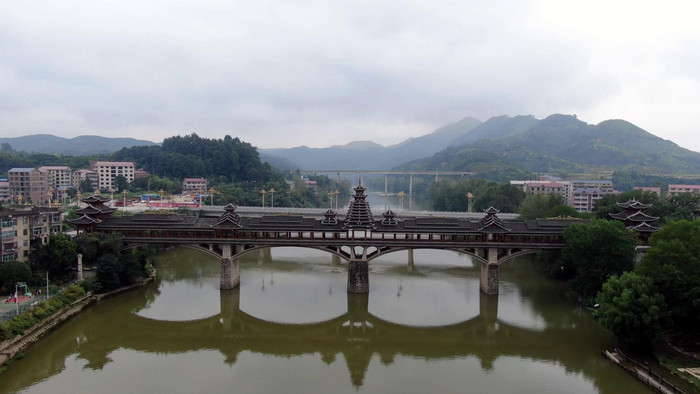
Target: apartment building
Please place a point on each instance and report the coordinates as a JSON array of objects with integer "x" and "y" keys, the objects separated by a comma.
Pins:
[
  {"x": 674, "y": 190},
  {"x": 24, "y": 226},
  {"x": 655, "y": 190},
  {"x": 4, "y": 190},
  {"x": 80, "y": 175},
  {"x": 57, "y": 176},
  {"x": 28, "y": 185},
  {"x": 108, "y": 170},
  {"x": 587, "y": 192},
  {"x": 562, "y": 188},
  {"x": 194, "y": 185}
]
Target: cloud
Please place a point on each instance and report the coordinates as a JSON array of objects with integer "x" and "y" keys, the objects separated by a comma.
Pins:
[{"x": 318, "y": 73}]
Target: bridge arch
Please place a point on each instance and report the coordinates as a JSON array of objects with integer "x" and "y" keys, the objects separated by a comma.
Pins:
[
  {"x": 381, "y": 251},
  {"x": 516, "y": 254},
  {"x": 202, "y": 248}
]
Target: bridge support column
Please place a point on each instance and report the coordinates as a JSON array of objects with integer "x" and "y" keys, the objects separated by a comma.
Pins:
[
  {"x": 410, "y": 192},
  {"x": 410, "y": 260},
  {"x": 489, "y": 272},
  {"x": 358, "y": 276},
  {"x": 230, "y": 270}
]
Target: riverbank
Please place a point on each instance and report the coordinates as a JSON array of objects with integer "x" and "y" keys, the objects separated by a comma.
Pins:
[{"x": 11, "y": 347}]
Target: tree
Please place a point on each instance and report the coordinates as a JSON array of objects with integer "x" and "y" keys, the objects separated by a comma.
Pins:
[
  {"x": 630, "y": 307},
  {"x": 85, "y": 186},
  {"x": 673, "y": 264},
  {"x": 545, "y": 206},
  {"x": 108, "y": 272},
  {"x": 120, "y": 183},
  {"x": 57, "y": 256},
  {"x": 594, "y": 252},
  {"x": 12, "y": 272}
]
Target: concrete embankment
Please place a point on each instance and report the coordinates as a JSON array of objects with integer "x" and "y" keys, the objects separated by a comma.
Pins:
[{"x": 10, "y": 348}]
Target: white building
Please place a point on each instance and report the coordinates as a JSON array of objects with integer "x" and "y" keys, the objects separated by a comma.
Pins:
[{"x": 108, "y": 170}]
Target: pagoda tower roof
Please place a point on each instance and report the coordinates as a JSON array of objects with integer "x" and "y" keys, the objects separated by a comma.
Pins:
[
  {"x": 633, "y": 204},
  {"x": 95, "y": 198},
  {"x": 359, "y": 213},
  {"x": 84, "y": 220},
  {"x": 491, "y": 223},
  {"x": 644, "y": 227}
]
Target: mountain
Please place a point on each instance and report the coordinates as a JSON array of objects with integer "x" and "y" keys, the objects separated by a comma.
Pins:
[
  {"x": 367, "y": 155},
  {"x": 79, "y": 146},
  {"x": 564, "y": 144},
  {"x": 497, "y": 127}
]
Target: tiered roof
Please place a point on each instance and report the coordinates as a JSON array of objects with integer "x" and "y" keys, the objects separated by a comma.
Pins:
[
  {"x": 359, "y": 214},
  {"x": 492, "y": 223},
  {"x": 634, "y": 219}
]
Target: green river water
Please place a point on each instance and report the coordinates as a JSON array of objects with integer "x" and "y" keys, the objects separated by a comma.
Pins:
[{"x": 291, "y": 327}]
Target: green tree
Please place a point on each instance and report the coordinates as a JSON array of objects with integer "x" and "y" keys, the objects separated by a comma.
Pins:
[
  {"x": 673, "y": 264},
  {"x": 85, "y": 186},
  {"x": 594, "y": 252},
  {"x": 630, "y": 307},
  {"x": 108, "y": 271},
  {"x": 12, "y": 272},
  {"x": 120, "y": 183},
  {"x": 57, "y": 256},
  {"x": 545, "y": 206}
]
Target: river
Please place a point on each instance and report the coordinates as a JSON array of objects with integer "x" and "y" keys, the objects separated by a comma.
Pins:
[{"x": 291, "y": 327}]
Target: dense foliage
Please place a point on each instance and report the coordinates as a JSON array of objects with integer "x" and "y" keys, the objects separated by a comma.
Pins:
[
  {"x": 536, "y": 206},
  {"x": 631, "y": 308},
  {"x": 450, "y": 195},
  {"x": 58, "y": 256},
  {"x": 115, "y": 268},
  {"x": 593, "y": 253},
  {"x": 19, "y": 324},
  {"x": 663, "y": 291},
  {"x": 12, "y": 272}
]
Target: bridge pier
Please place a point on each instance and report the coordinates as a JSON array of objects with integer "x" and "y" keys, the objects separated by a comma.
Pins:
[
  {"x": 358, "y": 276},
  {"x": 410, "y": 260},
  {"x": 230, "y": 269},
  {"x": 489, "y": 272}
]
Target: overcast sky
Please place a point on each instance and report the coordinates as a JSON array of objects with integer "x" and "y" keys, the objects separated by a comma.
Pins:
[{"x": 318, "y": 73}]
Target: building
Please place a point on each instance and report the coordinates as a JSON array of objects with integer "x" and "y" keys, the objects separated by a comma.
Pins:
[
  {"x": 80, "y": 175},
  {"x": 24, "y": 226},
  {"x": 655, "y": 190},
  {"x": 59, "y": 179},
  {"x": 634, "y": 218},
  {"x": 674, "y": 190},
  {"x": 562, "y": 188},
  {"x": 57, "y": 176},
  {"x": 108, "y": 170},
  {"x": 586, "y": 192},
  {"x": 28, "y": 185},
  {"x": 4, "y": 190},
  {"x": 194, "y": 185}
]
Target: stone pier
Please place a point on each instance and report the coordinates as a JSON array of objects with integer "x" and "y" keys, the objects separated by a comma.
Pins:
[
  {"x": 489, "y": 272},
  {"x": 230, "y": 269},
  {"x": 358, "y": 276}
]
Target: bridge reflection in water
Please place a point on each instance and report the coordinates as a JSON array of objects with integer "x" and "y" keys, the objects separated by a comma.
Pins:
[{"x": 233, "y": 331}]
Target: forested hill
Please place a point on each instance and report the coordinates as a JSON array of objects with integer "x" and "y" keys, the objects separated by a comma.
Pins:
[
  {"x": 192, "y": 156},
  {"x": 83, "y": 145},
  {"x": 562, "y": 144}
]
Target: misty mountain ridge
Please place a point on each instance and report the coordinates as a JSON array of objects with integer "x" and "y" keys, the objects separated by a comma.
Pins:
[
  {"x": 367, "y": 155},
  {"x": 83, "y": 145},
  {"x": 560, "y": 144}
]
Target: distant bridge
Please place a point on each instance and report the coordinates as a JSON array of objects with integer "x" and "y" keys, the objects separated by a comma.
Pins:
[{"x": 386, "y": 177}]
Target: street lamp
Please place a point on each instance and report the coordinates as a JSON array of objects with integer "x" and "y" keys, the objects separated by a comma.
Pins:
[
  {"x": 337, "y": 192},
  {"x": 401, "y": 194},
  {"x": 272, "y": 196},
  {"x": 331, "y": 193},
  {"x": 19, "y": 199},
  {"x": 124, "y": 203},
  {"x": 49, "y": 194},
  {"x": 211, "y": 195},
  {"x": 263, "y": 192},
  {"x": 470, "y": 201}
]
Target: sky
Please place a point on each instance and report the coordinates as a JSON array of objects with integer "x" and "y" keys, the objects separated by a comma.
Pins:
[{"x": 321, "y": 73}]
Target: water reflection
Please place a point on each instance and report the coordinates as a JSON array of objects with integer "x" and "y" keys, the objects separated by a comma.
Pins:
[{"x": 430, "y": 322}]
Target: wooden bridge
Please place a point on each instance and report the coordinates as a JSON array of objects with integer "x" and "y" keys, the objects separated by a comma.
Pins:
[{"x": 358, "y": 238}]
